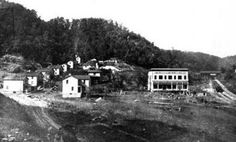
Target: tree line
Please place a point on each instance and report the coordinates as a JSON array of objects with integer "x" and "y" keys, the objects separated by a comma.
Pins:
[{"x": 22, "y": 32}]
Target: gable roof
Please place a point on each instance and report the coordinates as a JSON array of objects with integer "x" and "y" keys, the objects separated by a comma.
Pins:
[
  {"x": 79, "y": 77},
  {"x": 94, "y": 71},
  {"x": 91, "y": 62},
  {"x": 169, "y": 69},
  {"x": 210, "y": 72},
  {"x": 32, "y": 74},
  {"x": 20, "y": 77},
  {"x": 55, "y": 67},
  {"x": 43, "y": 70}
]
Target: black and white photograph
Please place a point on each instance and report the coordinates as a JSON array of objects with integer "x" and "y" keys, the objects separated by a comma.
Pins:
[{"x": 117, "y": 71}]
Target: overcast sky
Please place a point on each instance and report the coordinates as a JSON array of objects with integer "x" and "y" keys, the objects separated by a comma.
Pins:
[{"x": 189, "y": 25}]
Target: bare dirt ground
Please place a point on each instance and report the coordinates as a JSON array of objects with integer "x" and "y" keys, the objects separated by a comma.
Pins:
[
  {"x": 131, "y": 116},
  {"x": 142, "y": 116}
]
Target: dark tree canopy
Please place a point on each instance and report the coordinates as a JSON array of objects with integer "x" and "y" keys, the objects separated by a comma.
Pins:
[{"x": 58, "y": 40}]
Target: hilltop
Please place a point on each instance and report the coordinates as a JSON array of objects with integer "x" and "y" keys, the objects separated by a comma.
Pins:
[{"x": 58, "y": 40}]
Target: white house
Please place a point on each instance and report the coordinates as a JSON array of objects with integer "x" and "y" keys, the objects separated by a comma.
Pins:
[
  {"x": 91, "y": 64},
  {"x": 71, "y": 64},
  {"x": 32, "y": 79},
  {"x": 13, "y": 84},
  {"x": 45, "y": 73},
  {"x": 78, "y": 59},
  {"x": 112, "y": 68},
  {"x": 168, "y": 79},
  {"x": 64, "y": 67},
  {"x": 75, "y": 85},
  {"x": 56, "y": 70},
  {"x": 94, "y": 73}
]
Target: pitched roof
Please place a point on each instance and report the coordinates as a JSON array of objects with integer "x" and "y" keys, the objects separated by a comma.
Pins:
[
  {"x": 91, "y": 62},
  {"x": 86, "y": 77},
  {"x": 169, "y": 69},
  {"x": 80, "y": 77},
  {"x": 55, "y": 67},
  {"x": 209, "y": 72},
  {"x": 32, "y": 73},
  {"x": 20, "y": 77},
  {"x": 94, "y": 71},
  {"x": 43, "y": 70}
]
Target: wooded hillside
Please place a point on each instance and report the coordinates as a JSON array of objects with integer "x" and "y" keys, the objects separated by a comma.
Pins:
[{"x": 58, "y": 40}]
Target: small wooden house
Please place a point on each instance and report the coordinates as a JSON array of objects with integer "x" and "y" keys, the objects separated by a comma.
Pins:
[
  {"x": 56, "y": 70},
  {"x": 13, "y": 84},
  {"x": 75, "y": 85},
  {"x": 32, "y": 79},
  {"x": 78, "y": 59},
  {"x": 91, "y": 64},
  {"x": 70, "y": 64},
  {"x": 64, "y": 67},
  {"x": 94, "y": 73},
  {"x": 95, "y": 76},
  {"x": 45, "y": 72},
  {"x": 206, "y": 75}
]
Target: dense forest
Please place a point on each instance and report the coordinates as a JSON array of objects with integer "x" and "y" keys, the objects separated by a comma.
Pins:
[{"x": 22, "y": 32}]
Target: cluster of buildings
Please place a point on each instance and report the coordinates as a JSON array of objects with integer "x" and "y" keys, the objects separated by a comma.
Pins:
[{"x": 77, "y": 78}]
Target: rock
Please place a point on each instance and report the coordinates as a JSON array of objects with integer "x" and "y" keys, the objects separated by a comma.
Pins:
[
  {"x": 98, "y": 99},
  {"x": 136, "y": 100},
  {"x": 11, "y": 139},
  {"x": 4, "y": 139}
]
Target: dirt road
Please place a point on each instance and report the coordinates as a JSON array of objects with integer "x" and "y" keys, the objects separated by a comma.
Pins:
[
  {"x": 38, "y": 108},
  {"x": 222, "y": 96},
  {"x": 43, "y": 119}
]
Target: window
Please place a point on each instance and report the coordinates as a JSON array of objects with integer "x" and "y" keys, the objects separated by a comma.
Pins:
[
  {"x": 79, "y": 89},
  {"x": 174, "y": 86},
  {"x": 185, "y": 77},
  {"x": 72, "y": 88},
  {"x": 160, "y": 77},
  {"x": 175, "y": 77},
  {"x": 165, "y": 76},
  {"x": 185, "y": 86},
  {"x": 170, "y": 77},
  {"x": 155, "y": 77},
  {"x": 154, "y": 86},
  {"x": 179, "y": 77},
  {"x": 67, "y": 81}
]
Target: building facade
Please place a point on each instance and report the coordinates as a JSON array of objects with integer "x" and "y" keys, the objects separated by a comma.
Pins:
[
  {"x": 168, "y": 79},
  {"x": 13, "y": 84},
  {"x": 74, "y": 86},
  {"x": 206, "y": 75}
]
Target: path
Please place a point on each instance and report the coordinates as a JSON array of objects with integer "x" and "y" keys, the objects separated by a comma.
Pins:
[
  {"x": 37, "y": 109},
  {"x": 226, "y": 92},
  {"x": 225, "y": 96},
  {"x": 218, "y": 95}
]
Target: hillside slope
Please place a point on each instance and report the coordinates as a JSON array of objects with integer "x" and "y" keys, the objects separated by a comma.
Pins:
[
  {"x": 58, "y": 40},
  {"x": 16, "y": 121}
]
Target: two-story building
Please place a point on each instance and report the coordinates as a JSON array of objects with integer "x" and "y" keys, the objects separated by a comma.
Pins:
[
  {"x": 168, "y": 79},
  {"x": 75, "y": 85}
]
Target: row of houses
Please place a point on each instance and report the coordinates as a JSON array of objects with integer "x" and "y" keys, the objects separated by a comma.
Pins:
[{"x": 75, "y": 78}]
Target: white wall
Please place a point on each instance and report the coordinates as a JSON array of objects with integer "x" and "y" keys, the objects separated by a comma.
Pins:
[
  {"x": 67, "y": 91},
  {"x": 94, "y": 74},
  {"x": 152, "y": 74},
  {"x": 32, "y": 81},
  {"x": 13, "y": 85}
]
